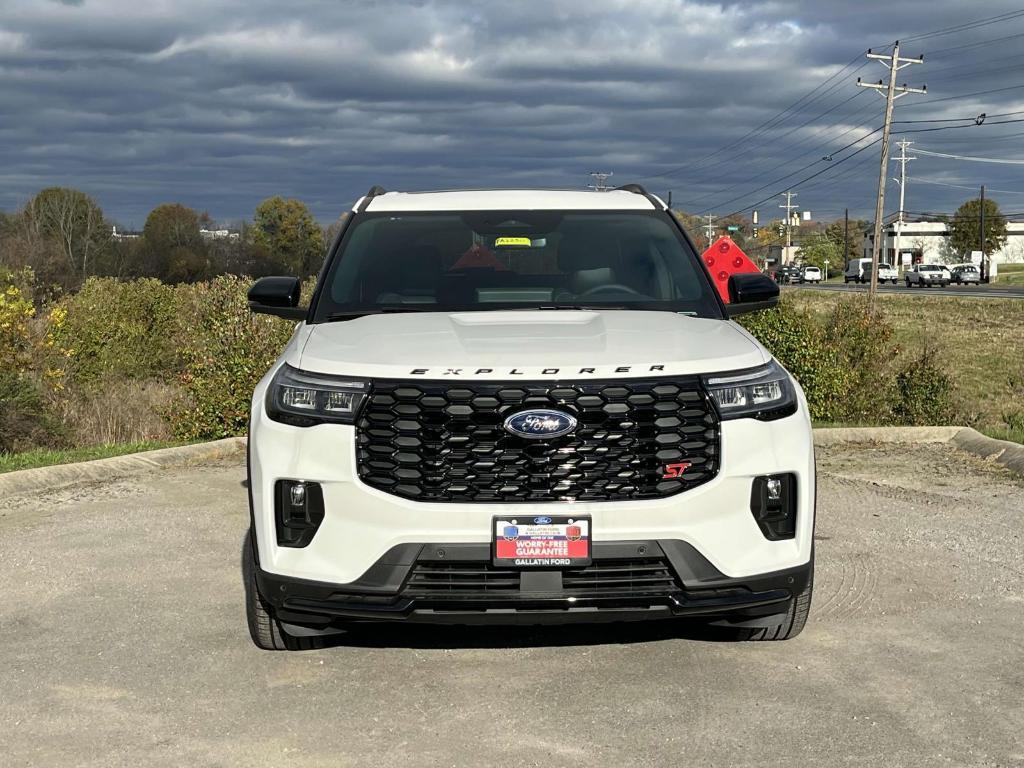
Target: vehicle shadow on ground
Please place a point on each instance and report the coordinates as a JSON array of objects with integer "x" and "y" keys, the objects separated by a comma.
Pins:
[{"x": 440, "y": 637}]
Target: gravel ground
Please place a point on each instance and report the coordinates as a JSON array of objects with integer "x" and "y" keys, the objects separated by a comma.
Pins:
[{"x": 125, "y": 645}]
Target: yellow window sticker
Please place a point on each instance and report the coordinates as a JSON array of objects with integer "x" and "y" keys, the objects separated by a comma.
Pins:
[{"x": 512, "y": 241}]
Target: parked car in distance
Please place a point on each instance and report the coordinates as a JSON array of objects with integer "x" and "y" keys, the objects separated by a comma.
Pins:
[
  {"x": 964, "y": 274},
  {"x": 855, "y": 271},
  {"x": 788, "y": 273},
  {"x": 927, "y": 274},
  {"x": 812, "y": 274},
  {"x": 886, "y": 273}
]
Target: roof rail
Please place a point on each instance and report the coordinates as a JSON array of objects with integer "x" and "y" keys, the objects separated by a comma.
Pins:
[
  {"x": 638, "y": 189},
  {"x": 375, "y": 190}
]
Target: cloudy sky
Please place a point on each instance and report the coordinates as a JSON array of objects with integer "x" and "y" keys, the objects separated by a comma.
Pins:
[{"x": 218, "y": 105}]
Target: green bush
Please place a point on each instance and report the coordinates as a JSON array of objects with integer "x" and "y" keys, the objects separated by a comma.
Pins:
[
  {"x": 115, "y": 329},
  {"x": 799, "y": 342},
  {"x": 226, "y": 350},
  {"x": 25, "y": 421},
  {"x": 922, "y": 392},
  {"x": 863, "y": 340}
]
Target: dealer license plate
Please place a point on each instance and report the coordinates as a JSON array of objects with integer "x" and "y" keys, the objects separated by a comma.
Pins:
[{"x": 541, "y": 541}]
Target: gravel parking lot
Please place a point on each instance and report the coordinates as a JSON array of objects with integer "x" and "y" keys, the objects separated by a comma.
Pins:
[{"x": 125, "y": 644}]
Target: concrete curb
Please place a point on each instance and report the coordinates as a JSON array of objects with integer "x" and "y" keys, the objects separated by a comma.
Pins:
[
  {"x": 1003, "y": 452},
  {"x": 834, "y": 435},
  {"x": 1010, "y": 455},
  {"x": 59, "y": 476}
]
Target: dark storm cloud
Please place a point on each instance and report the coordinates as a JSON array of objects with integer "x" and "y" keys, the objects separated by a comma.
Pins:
[{"x": 220, "y": 106}]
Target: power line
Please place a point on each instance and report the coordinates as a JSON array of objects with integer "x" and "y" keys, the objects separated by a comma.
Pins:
[
  {"x": 964, "y": 186},
  {"x": 775, "y": 167},
  {"x": 1001, "y": 161},
  {"x": 799, "y": 170},
  {"x": 798, "y": 183},
  {"x": 955, "y": 127},
  {"x": 983, "y": 116},
  {"x": 765, "y": 125},
  {"x": 976, "y": 44},
  {"x": 968, "y": 25},
  {"x": 967, "y": 95}
]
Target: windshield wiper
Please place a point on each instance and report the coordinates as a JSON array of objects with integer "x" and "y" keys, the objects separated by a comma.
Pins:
[
  {"x": 587, "y": 307},
  {"x": 356, "y": 313}
]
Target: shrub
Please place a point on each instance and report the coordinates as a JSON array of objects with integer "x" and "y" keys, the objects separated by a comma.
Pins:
[
  {"x": 15, "y": 312},
  {"x": 862, "y": 339},
  {"x": 922, "y": 392},
  {"x": 25, "y": 421},
  {"x": 120, "y": 411},
  {"x": 114, "y": 330},
  {"x": 798, "y": 341},
  {"x": 226, "y": 350}
]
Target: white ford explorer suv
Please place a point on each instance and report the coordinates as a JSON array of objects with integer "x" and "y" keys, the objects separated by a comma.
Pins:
[{"x": 524, "y": 407}]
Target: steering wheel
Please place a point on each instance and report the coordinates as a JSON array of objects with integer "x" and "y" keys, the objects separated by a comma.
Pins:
[{"x": 609, "y": 288}]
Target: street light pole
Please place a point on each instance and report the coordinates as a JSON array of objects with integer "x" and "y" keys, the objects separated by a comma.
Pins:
[{"x": 984, "y": 260}]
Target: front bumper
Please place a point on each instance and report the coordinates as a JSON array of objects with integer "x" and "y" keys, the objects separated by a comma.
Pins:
[
  {"x": 362, "y": 525},
  {"x": 456, "y": 584}
]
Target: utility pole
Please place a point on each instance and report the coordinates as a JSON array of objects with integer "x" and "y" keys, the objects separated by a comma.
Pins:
[
  {"x": 984, "y": 260},
  {"x": 903, "y": 159},
  {"x": 846, "y": 237},
  {"x": 709, "y": 229},
  {"x": 892, "y": 92},
  {"x": 789, "y": 221},
  {"x": 600, "y": 177}
]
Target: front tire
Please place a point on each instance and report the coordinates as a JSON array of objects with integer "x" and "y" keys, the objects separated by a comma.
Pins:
[
  {"x": 792, "y": 625},
  {"x": 264, "y": 628}
]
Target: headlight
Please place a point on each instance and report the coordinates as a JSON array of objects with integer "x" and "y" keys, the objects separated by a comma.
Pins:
[
  {"x": 763, "y": 393},
  {"x": 303, "y": 399}
]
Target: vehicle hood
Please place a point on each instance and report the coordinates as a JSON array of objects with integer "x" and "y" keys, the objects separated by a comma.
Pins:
[{"x": 537, "y": 344}]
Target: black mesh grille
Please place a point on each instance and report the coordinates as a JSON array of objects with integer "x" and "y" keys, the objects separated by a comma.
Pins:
[
  {"x": 435, "y": 441},
  {"x": 622, "y": 577}
]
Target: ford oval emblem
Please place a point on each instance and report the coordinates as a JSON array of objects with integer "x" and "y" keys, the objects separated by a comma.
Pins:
[
  {"x": 541, "y": 521},
  {"x": 540, "y": 424}
]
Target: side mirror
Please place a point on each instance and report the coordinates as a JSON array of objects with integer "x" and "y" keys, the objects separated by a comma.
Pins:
[
  {"x": 750, "y": 292},
  {"x": 278, "y": 296}
]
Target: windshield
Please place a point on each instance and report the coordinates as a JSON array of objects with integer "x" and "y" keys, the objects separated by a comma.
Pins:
[
  {"x": 483, "y": 260},
  {"x": 928, "y": 268}
]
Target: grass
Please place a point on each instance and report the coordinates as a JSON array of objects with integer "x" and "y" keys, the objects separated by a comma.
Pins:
[
  {"x": 981, "y": 342},
  {"x": 44, "y": 457},
  {"x": 1013, "y": 435},
  {"x": 1010, "y": 274}
]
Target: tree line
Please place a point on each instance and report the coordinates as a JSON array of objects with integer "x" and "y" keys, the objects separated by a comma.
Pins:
[{"x": 63, "y": 235}]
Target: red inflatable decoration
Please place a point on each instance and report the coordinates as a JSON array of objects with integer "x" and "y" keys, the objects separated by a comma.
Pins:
[{"x": 724, "y": 258}]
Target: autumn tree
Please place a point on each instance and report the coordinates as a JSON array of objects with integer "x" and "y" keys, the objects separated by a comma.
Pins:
[
  {"x": 73, "y": 221},
  {"x": 289, "y": 234},
  {"x": 174, "y": 247},
  {"x": 965, "y": 228},
  {"x": 836, "y": 233}
]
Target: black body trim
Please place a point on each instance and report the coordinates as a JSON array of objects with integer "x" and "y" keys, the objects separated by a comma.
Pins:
[{"x": 384, "y": 593}]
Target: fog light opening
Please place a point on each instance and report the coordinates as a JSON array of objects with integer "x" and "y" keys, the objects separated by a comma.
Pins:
[
  {"x": 298, "y": 511},
  {"x": 773, "y": 504}
]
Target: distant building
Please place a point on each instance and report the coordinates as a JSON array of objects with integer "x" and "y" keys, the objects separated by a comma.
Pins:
[
  {"x": 218, "y": 234},
  {"x": 927, "y": 242},
  {"x": 124, "y": 235}
]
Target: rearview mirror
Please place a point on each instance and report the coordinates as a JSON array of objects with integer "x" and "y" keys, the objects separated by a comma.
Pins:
[
  {"x": 750, "y": 292},
  {"x": 278, "y": 296}
]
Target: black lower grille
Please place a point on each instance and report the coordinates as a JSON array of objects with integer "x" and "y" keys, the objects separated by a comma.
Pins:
[
  {"x": 624, "y": 577},
  {"x": 440, "y": 441}
]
